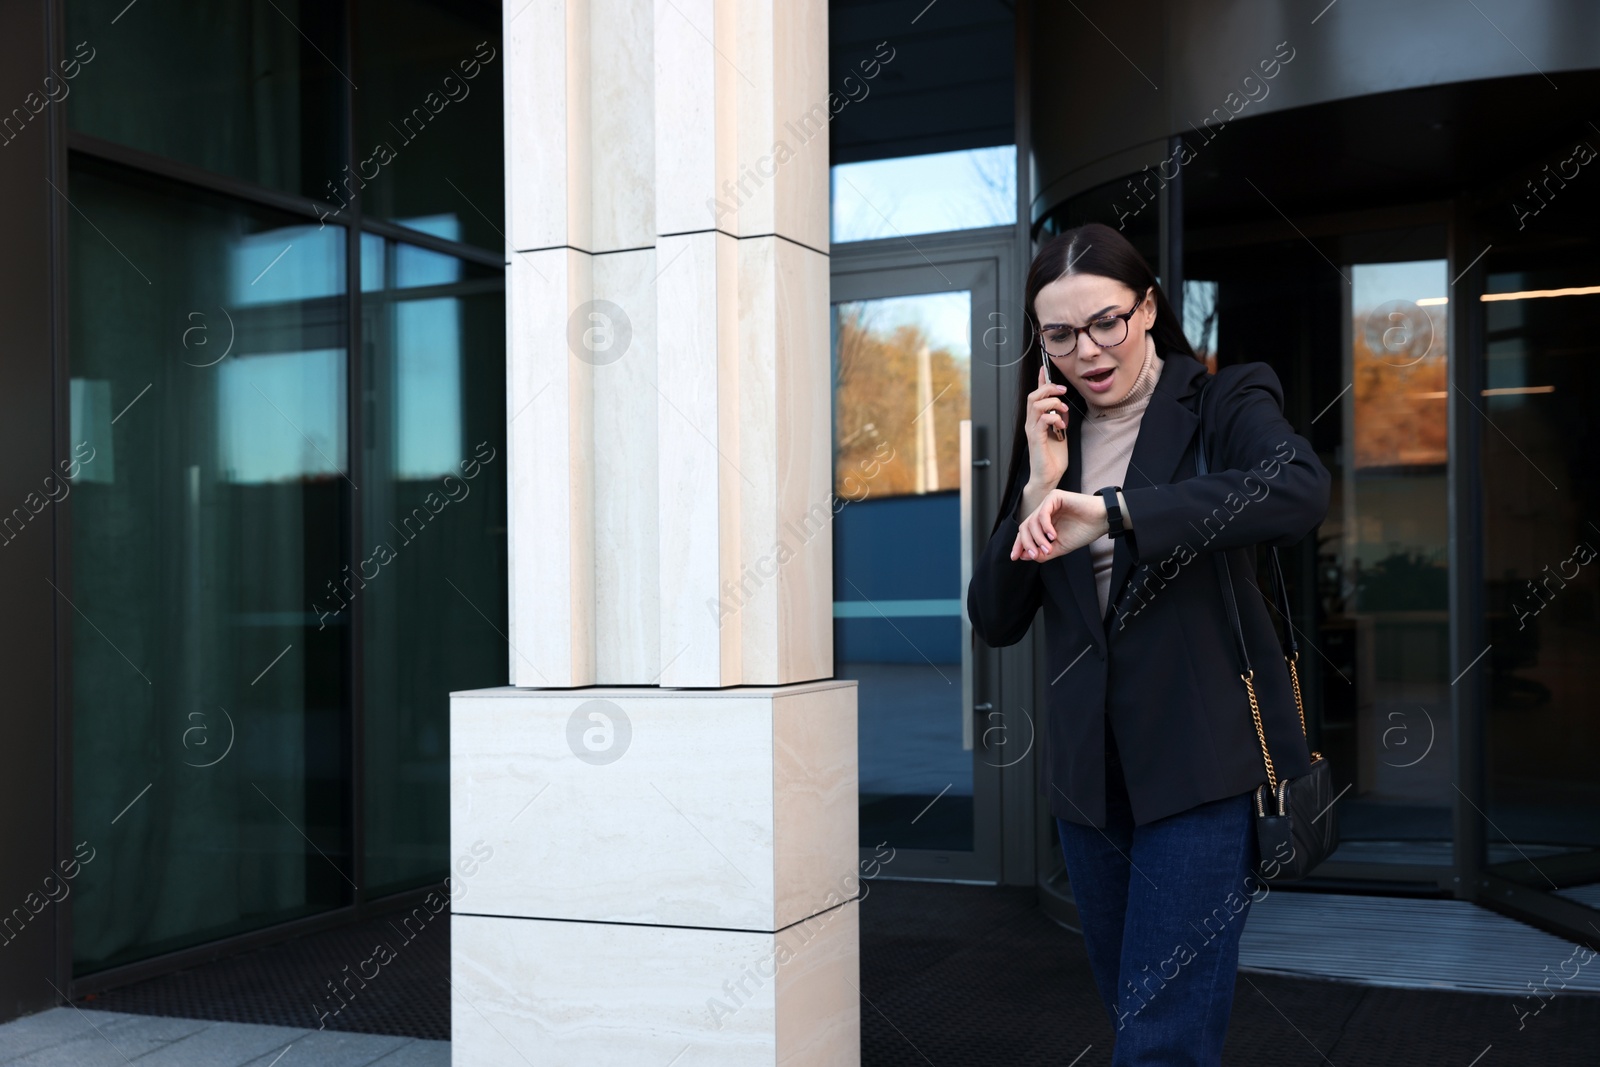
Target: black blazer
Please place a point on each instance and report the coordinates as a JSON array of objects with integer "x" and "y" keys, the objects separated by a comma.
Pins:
[{"x": 1161, "y": 666}]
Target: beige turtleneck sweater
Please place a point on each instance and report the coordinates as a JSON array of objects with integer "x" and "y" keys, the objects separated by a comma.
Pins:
[{"x": 1106, "y": 443}]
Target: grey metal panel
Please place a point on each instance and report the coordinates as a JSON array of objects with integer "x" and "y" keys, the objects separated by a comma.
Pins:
[
  {"x": 984, "y": 261},
  {"x": 1361, "y": 47},
  {"x": 1098, "y": 107},
  {"x": 946, "y": 86},
  {"x": 1112, "y": 79},
  {"x": 30, "y": 213}
]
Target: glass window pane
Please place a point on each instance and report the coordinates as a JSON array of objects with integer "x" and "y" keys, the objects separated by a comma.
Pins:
[
  {"x": 1200, "y": 319},
  {"x": 902, "y": 376},
  {"x": 961, "y": 190},
  {"x": 207, "y": 516},
  {"x": 249, "y": 89},
  {"x": 433, "y": 496},
  {"x": 428, "y": 118},
  {"x": 1361, "y": 349},
  {"x": 1541, "y": 540},
  {"x": 1387, "y": 637}
]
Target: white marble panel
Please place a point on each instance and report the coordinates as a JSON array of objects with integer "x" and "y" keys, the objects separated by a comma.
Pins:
[
  {"x": 758, "y": 159},
  {"x": 781, "y": 185},
  {"x": 731, "y": 808},
  {"x": 701, "y": 477},
  {"x": 627, "y": 573},
  {"x": 783, "y": 592},
  {"x": 804, "y": 431},
  {"x": 550, "y": 536},
  {"x": 816, "y": 809},
  {"x": 800, "y": 83},
  {"x": 623, "y": 139},
  {"x": 562, "y": 994},
  {"x": 765, "y": 549},
  {"x": 538, "y": 123},
  {"x": 696, "y": 122},
  {"x": 580, "y": 126}
]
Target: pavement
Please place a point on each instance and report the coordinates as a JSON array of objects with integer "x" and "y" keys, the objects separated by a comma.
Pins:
[
  {"x": 951, "y": 976},
  {"x": 75, "y": 1037}
]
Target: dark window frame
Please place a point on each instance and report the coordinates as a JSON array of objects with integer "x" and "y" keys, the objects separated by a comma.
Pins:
[{"x": 64, "y": 146}]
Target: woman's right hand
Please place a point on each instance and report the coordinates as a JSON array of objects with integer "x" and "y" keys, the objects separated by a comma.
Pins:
[{"x": 1047, "y": 455}]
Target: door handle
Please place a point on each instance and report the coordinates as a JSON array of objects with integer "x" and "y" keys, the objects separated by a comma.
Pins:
[{"x": 965, "y": 466}]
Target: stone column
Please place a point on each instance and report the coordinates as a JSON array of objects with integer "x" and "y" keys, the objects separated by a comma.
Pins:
[{"x": 655, "y": 824}]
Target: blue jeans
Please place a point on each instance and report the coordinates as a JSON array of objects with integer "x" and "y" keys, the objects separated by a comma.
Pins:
[{"x": 1162, "y": 907}]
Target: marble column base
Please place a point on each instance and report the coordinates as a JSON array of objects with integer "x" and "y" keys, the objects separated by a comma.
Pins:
[
  {"x": 558, "y": 993},
  {"x": 721, "y": 808},
  {"x": 655, "y": 876}
]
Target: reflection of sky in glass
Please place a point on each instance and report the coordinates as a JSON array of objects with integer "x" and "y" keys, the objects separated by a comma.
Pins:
[
  {"x": 1199, "y": 305},
  {"x": 945, "y": 317},
  {"x": 415, "y": 266},
  {"x": 447, "y": 226},
  {"x": 1372, "y": 284},
  {"x": 281, "y": 416},
  {"x": 427, "y": 374},
  {"x": 292, "y": 263},
  {"x": 371, "y": 262},
  {"x": 924, "y": 194}
]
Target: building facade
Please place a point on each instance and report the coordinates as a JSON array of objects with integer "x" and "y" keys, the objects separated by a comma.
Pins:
[
  {"x": 319, "y": 317},
  {"x": 256, "y": 467}
]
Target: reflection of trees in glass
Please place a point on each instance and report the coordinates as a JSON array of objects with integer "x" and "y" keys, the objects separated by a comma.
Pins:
[
  {"x": 1400, "y": 407},
  {"x": 995, "y": 178},
  {"x": 876, "y": 401}
]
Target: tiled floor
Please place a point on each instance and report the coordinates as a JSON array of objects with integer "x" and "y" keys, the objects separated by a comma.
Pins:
[{"x": 72, "y": 1037}]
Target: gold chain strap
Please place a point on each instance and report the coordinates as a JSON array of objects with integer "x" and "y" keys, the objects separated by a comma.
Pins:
[
  {"x": 1294, "y": 676},
  {"x": 1261, "y": 733}
]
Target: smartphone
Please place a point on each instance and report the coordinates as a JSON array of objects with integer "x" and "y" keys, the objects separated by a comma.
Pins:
[{"x": 1055, "y": 431}]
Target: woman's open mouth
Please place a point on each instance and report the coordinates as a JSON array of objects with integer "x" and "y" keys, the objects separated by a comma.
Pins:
[{"x": 1099, "y": 380}]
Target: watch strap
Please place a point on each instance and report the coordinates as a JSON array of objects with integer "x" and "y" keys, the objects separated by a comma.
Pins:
[{"x": 1115, "y": 527}]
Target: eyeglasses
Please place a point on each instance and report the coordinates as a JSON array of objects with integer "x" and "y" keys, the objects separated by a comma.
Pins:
[{"x": 1107, "y": 332}]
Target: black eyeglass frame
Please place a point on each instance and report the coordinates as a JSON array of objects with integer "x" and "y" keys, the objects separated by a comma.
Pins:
[{"x": 1125, "y": 316}]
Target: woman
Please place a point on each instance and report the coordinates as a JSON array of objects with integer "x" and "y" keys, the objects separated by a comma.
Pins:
[{"x": 1150, "y": 755}]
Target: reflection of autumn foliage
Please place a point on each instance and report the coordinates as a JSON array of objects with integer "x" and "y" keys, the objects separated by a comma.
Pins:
[
  {"x": 1400, "y": 410},
  {"x": 875, "y": 400}
]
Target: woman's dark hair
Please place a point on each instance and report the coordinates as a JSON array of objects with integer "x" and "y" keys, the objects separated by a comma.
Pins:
[{"x": 1094, "y": 248}]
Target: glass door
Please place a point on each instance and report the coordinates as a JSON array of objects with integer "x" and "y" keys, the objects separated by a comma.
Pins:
[
  {"x": 1541, "y": 596},
  {"x": 914, "y": 416},
  {"x": 1356, "y": 328},
  {"x": 1386, "y": 627}
]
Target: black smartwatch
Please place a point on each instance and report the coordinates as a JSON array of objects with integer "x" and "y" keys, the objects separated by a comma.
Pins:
[{"x": 1113, "y": 510}]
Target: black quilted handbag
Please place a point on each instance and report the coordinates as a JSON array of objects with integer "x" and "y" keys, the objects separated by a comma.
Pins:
[{"x": 1297, "y": 826}]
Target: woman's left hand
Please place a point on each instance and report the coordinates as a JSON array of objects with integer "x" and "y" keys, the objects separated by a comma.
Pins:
[{"x": 1063, "y": 522}]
